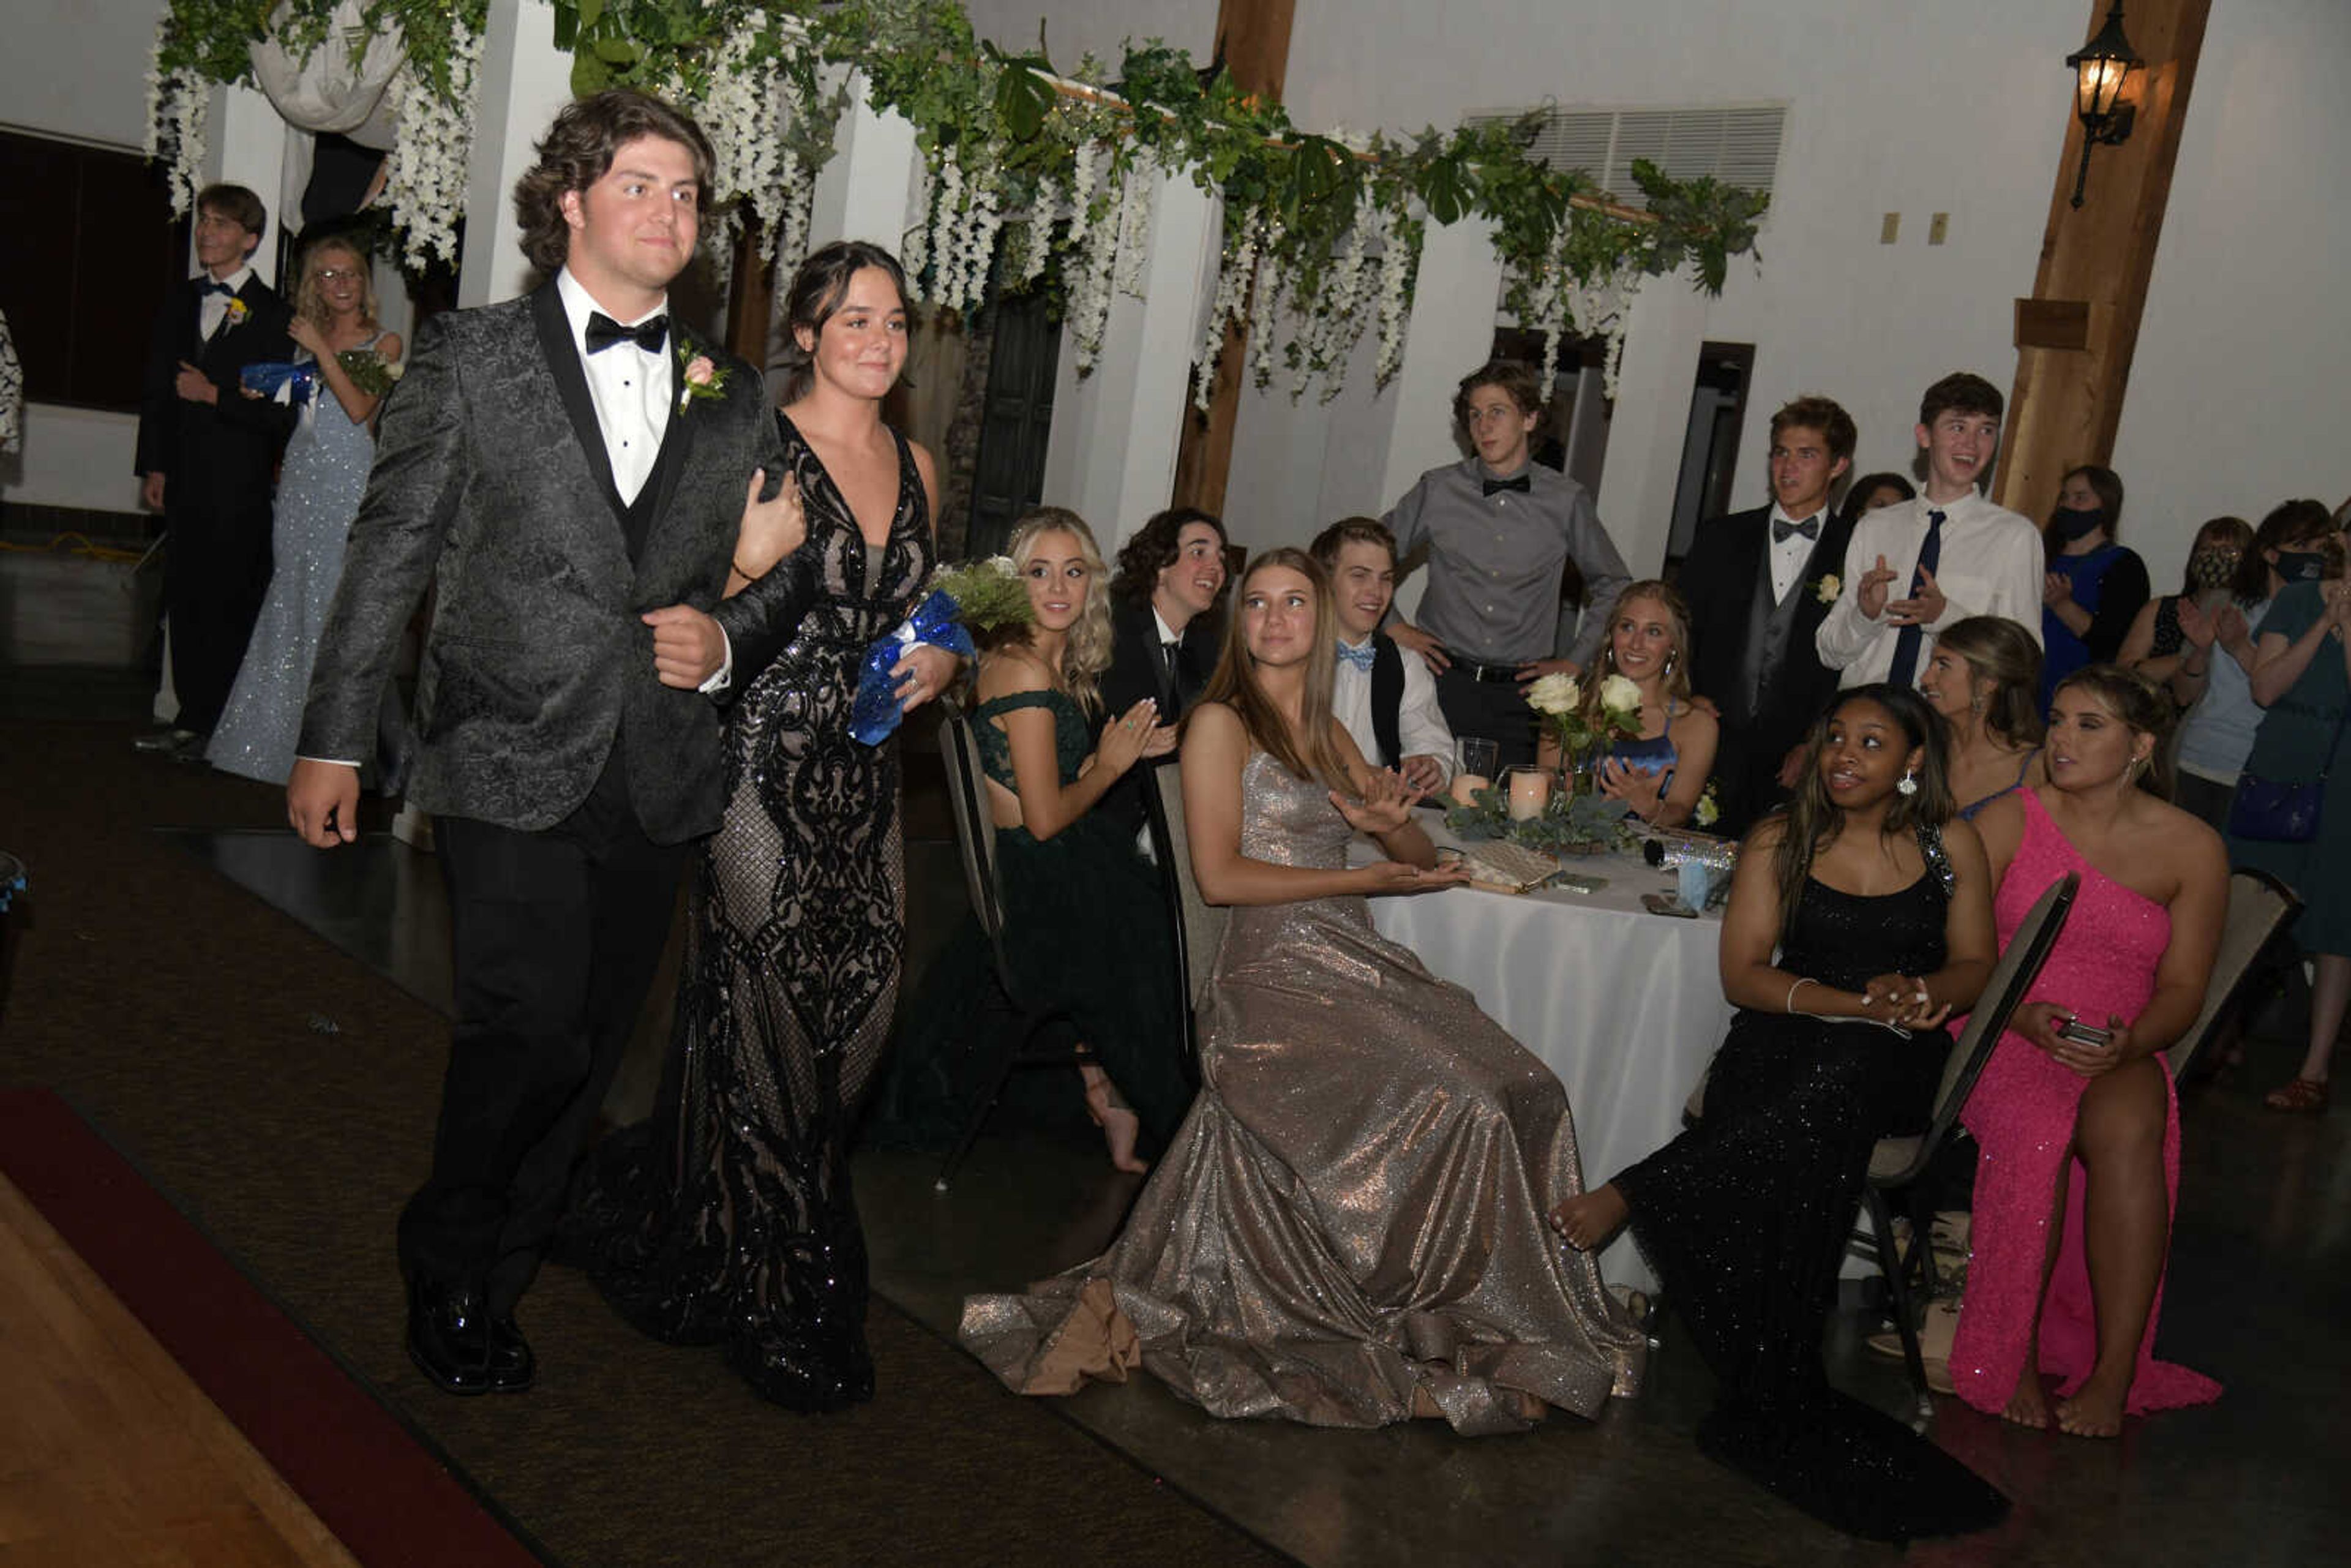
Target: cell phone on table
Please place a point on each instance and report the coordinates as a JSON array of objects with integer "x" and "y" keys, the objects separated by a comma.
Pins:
[
  {"x": 1666, "y": 903},
  {"x": 2082, "y": 1033}
]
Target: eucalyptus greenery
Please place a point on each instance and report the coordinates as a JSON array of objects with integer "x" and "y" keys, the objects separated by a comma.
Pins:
[
  {"x": 1321, "y": 230},
  {"x": 1578, "y": 824}
]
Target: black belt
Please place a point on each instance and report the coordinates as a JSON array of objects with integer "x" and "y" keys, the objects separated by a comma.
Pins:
[{"x": 1482, "y": 672}]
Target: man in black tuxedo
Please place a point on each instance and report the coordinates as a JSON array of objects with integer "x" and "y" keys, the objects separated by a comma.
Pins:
[
  {"x": 1164, "y": 635},
  {"x": 208, "y": 455},
  {"x": 570, "y": 470},
  {"x": 1757, "y": 585}
]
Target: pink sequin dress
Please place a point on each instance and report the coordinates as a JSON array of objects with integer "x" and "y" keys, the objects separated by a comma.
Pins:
[{"x": 2022, "y": 1114}]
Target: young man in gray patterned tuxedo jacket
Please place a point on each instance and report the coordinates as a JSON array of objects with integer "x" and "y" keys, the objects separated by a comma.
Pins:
[{"x": 568, "y": 470}]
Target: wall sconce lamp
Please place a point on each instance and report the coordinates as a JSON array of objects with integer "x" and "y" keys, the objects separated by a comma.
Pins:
[{"x": 2100, "y": 68}]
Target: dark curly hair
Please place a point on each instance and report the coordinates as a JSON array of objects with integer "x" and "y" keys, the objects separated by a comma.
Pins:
[
  {"x": 816, "y": 293},
  {"x": 578, "y": 151},
  {"x": 1152, "y": 551}
]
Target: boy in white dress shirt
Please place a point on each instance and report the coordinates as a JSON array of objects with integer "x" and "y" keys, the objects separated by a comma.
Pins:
[
  {"x": 1387, "y": 701},
  {"x": 1923, "y": 564}
]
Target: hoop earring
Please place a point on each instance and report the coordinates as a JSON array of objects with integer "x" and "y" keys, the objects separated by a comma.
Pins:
[{"x": 1907, "y": 784}]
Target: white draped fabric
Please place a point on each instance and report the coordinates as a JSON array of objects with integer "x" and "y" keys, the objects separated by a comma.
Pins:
[
  {"x": 1626, "y": 1005},
  {"x": 338, "y": 88}
]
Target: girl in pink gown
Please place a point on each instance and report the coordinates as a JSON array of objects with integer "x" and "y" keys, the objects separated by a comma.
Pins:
[{"x": 2079, "y": 1138}]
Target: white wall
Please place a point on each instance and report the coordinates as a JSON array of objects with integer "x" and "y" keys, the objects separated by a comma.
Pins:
[
  {"x": 2235, "y": 391},
  {"x": 78, "y": 67},
  {"x": 1099, "y": 28}
]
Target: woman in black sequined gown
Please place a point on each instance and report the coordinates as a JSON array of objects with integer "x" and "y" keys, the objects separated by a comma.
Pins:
[
  {"x": 1880, "y": 920},
  {"x": 727, "y": 1216}
]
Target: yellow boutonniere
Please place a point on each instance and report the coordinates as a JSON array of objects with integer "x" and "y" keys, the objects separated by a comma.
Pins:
[{"x": 237, "y": 311}]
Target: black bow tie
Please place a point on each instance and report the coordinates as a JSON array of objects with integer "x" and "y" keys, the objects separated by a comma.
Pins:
[
  {"x": 1780, "y": 529},
  {"x": 649, "y": 334},
  {"x": 214, "y": 285},
  {"x": 1519, "y": 483}
]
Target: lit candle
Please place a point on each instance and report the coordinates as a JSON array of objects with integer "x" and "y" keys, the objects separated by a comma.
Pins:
[
  {"x": 1529, "y": 791},
  {"x": 1465, "y": 787}
]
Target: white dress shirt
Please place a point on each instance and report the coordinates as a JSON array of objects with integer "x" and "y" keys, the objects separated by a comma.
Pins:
[
  {"x": 631, "y": 388},
  {"x": 1991, "y": 564},
  {"x": 1792, "y": 555},
  {"x": 1421, "y": 729},
  {"x": 212, "y": 305}
]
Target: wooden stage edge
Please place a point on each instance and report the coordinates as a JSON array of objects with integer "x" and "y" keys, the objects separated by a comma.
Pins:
[{"x": 110, "y": 1452}]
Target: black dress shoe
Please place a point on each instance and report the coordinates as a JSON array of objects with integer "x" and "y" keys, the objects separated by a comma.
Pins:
[
  {"x": 449, "y": 1337},
  {"x": 513, "y": 1367}
]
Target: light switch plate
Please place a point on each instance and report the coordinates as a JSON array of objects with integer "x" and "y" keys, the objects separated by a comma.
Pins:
[
  {"x": 1937, "y": 227},
  {"x": 1889, "y": 228}
]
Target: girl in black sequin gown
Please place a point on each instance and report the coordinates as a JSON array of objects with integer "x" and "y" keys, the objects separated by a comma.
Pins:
[
  {"x": 1880, "y": 920},
  {"x": 727, "y": 1216}
]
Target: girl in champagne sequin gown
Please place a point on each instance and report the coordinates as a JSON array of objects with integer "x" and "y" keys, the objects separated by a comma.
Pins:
[
  {"x": 319, "y": 487},
  {"x": 1348, "y": 1229},
  {"x": 728, "y": 1217},
  {"x": 1878, "y": 920},
  {"x": 2077, "y": 1141}
]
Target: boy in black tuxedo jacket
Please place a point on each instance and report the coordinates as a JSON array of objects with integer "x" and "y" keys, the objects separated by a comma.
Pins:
[
  {"x": 1758, "y": 583},
  {"x": 1164, "y": 635},
  {"x": 208, "y": 454}
]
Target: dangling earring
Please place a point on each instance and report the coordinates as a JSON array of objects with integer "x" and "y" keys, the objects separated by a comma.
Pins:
[
  {"x": 1976, "y": 706},
  {"x": 2131, "y": 769},
  {"x": 1908, "y": 783},
  {"x": 1669, "y": 668}
]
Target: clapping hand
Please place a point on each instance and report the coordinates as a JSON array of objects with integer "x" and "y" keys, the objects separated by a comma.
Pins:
[
  {"x": 1641, "y": 788},
  {"x": 1387, "y": 804},
  {"x": 1921, "y": 609},
  {"x": 770, "y": 529},
  {"x": 2196, "y": 627},
  {"x": 1128, "y": 736},
  {"x": 2056, "y": 587},
  {"x": 1870, "y": 594}
]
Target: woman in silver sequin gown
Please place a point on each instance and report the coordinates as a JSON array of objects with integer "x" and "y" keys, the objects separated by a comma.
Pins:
[
  {"x": 727, "y": 1216},
  {"x": 324, "y": 476},
  {"x": 1348, "y": 1231}
]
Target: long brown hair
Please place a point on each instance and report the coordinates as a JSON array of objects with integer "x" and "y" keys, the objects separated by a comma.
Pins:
[
  {"x": 1677, "y": 671},
  {"x": 1814, "y": 820},
  {"x": 1312, "y": 753},
  {"x": 815, "y": 297},
  {"x": 2004, "y": 653},
  {"x": 578, "y": 151},
  {"x": 2143, "y": 707}
]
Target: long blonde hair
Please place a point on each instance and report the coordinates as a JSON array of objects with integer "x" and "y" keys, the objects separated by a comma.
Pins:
[
  {"x": 1085, "y": 652},
  {"x": 310, "y": 302},
  {"x": 1677, "y": 671},
  {"x": 1312, "y": 753}
]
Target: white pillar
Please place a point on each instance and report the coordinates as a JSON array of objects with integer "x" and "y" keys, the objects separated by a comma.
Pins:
[
  {"x": 1663, "y": 334},
  {"x": 246, "y": 146},
  {"x": 866, "y": 190},
  {"x": 1455, "y": 293},
  {"x": 524, "y": 79},
  {"x": 1111, "y": 455}
]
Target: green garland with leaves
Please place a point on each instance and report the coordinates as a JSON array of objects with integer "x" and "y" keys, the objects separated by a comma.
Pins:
[{"x": 1016, "y": 124}]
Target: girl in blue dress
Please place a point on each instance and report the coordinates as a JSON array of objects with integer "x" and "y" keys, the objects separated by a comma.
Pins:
[{"x": 1662, "y": 771}]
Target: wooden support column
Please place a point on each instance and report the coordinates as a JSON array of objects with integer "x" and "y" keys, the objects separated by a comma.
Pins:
[
  {"x": 750, "y": 294},
  {"x": 1253, "y": 36},
  {"x": 2075, "y": 336}
]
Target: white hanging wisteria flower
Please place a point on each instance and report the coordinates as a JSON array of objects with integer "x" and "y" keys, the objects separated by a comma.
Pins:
[
  {"x": 800, "y": 201},
  {"x": 177, "y": 104},
  {"x": 1085, "y": 182},
  {"x": 915, "y": 243},
  {"x": 1095, "y": 277},
  {"x": 1037, "y": 233},
  {"x": 1134, "y": 205},
  {"x": 424, "y": 185},
  {"x": 1265, "y": 298},
  {"x": 1232, "y": 291},
  {"x": 1602, "y": 306},
  {"x": 1396, "y": 279}
]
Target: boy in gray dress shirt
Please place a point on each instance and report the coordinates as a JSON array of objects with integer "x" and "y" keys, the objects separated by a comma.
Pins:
[{"x": 1498, "y": 529}]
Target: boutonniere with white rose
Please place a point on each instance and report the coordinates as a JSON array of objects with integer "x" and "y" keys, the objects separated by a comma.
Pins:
[
  {"x": 237, "y": 311},
  {"x": 697, "y": 378},
  {"x": 1826, "y": 587}
]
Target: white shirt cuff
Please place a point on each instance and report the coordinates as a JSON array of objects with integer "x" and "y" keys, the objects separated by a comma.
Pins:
[{"x": 725, "y": 675}]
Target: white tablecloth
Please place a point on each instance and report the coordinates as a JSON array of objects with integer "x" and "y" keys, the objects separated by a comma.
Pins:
[{"x": 1626, "y": 1005}]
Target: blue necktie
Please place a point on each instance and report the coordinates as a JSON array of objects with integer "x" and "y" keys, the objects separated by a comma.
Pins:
[
  {"x": 1905, "y": 669},
  {"x": 1359, "y": 657}
]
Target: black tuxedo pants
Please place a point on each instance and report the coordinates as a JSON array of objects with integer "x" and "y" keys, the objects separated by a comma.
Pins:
[
  {"x": 556, "y": 935},
  {"x": 1493, "y": 710},
  {"x": 215, "y": 574}
]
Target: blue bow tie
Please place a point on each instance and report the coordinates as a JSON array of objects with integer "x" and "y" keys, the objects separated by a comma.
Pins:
[
  {"x": 214, "y": 285},
  {"x": 1359, "y": 657}
]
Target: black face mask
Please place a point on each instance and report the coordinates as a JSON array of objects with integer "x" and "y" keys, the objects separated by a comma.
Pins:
[
  {"x": 2301, "y": 565},
  {"x": 2077, "y": 525}
]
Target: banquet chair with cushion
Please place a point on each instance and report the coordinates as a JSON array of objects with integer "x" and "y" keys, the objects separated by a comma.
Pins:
[
  {"x": 1897, "y": 1164},
  {"x": 976, "y": 838},
  {"x": 1199, "y": 925},
  {"x": 2259, "y": 906}
]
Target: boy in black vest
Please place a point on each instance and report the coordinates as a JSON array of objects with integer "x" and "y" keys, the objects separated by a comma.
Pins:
[{"x": 1387, "y": 701}]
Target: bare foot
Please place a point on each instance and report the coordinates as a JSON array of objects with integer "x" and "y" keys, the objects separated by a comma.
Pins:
[
  {"x": 2095, "y": 1410},
  {"x": 1120, "y": 1126},
  {"x": 1591, "y": 1219},
  {"x": 2028, "y": 1407}
]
